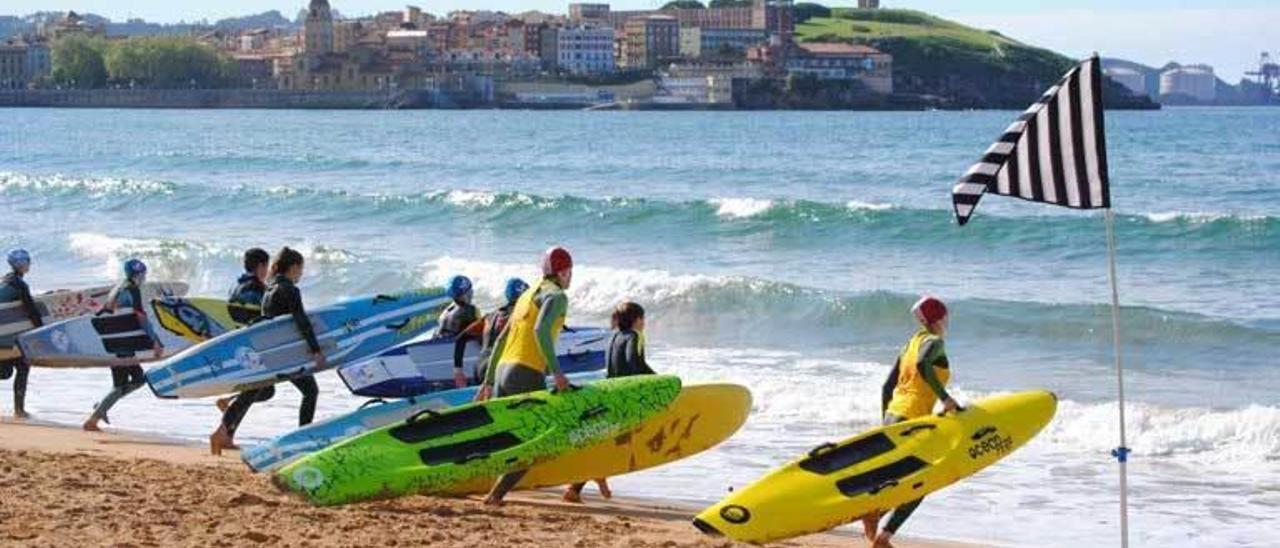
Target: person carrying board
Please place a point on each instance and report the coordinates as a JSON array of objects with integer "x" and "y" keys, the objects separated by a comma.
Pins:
[
  {"x": 15, "y": 289},
  {"x": 526, "y": 349},
  {"x": 124, "y": 380},
  {"x": 915, "y": 385}
]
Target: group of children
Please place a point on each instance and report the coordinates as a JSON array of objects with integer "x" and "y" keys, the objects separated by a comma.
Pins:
[{"x": 518, "y": 343}]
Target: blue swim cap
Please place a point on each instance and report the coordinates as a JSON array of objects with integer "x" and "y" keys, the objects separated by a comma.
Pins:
[
  {"x": 134, "y": 267},
  {"x": 459, "y": 286},
  {"x": 515, "y": 288},
  {"x": 18, "y": 257}
]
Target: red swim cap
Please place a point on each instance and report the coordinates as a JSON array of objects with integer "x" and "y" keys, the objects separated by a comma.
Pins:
[
  {"x": 929, "y": 310},
  {"x": 556, "y": 260}
]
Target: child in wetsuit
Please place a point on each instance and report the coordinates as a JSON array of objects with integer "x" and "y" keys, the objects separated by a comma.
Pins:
[
  {"x": 917, "y": 382},
  {"x": 250, "y": 287},
  {"x": 128, "y": 294},
  {"x": 623, "y": 358},
  {"x": 14, "y": 288}
]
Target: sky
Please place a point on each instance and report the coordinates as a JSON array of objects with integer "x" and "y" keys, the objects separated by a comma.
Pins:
[{"x": 1227, "y": 34}]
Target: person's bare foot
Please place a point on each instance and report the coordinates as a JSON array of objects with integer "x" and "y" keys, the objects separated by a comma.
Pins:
[
  {"x": 493, "y": 501},
  {"x": 871, "y": 526},
  {"x": 91, "y": 425},
  {"x": 882, "y": 540},
  {"x": 220, "y": 440},
  {"x": 572, "y": 495},
  {"x": 21, "y": 415},
  {"x": 223, "y": 403},
  {"x": 605, "y": 491}
]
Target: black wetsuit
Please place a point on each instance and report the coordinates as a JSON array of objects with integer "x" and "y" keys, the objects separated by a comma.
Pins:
[
  {"x": 249, "y": 290},
  {"x": 488, "y": 328},
  {"x": 625, "y": 356},
  {"x": 282, "y": 297},
  {"x": 456, "y": 318},
  {"x": 14, "y": 288}
]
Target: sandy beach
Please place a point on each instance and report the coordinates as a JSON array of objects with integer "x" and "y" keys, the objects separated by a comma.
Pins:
[{"x": 65, "y": 487}]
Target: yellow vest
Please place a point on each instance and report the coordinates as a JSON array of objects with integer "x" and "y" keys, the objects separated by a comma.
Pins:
[
  {"x": 522, "y": 336},
  {"x": 912, "y": 397}
]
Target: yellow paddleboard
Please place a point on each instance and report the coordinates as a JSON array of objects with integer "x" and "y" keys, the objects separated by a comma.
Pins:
[
  {"x": 878, "y": 470},
  {"x": 701, "y": 417},
  {"x": 198, "y": 319}
]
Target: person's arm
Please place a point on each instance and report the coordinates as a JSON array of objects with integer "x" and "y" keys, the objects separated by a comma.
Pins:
[
  {"x": 29, "y": 304},
  {"x": 471, "y": 333},
  {"x": 886, "y": 391},
  {"x": 929, "y": 355},
  {"x": 556, "y": 306},
  {"x": 301, "y": 320}
]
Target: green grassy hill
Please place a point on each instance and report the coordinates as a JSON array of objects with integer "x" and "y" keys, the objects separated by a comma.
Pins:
[{"x": 963, "y": 66}]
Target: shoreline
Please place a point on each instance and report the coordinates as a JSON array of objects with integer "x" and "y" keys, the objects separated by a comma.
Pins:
[
  {"x": 163, "y": 491},
  {"x": 265, "y": 99}
]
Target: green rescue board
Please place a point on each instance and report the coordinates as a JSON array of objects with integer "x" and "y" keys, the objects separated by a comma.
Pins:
[{"x": 434, "y": 451}]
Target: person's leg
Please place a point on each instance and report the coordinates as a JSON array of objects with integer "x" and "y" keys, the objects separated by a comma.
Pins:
[
  {"x": 896, "y": 519},
  {"x": 20, "y": 390},
  {"x": 603, "y": 485},
  {"x": 574, "y": 493},
  {"x": 513, "y": 380},
  {"x": 310, "y": 393},
  {"x": 871, "y": 522},
  {"x": 119, "y": 383},
  {"x": 224, "y": 436}
]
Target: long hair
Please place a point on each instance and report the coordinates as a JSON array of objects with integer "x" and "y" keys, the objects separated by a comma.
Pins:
[
  {"x": 286, "y": 258},
  {"x": 626, "y": 314}
]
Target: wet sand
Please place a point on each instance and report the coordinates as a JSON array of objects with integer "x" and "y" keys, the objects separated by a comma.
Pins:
[{"x": 66, "y": 487}]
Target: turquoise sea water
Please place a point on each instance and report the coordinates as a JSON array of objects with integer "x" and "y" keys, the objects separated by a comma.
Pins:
[{"x": 780, "y": 250}]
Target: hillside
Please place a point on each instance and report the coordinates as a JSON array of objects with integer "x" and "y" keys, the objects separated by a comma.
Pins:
[{"x": 962, "y": 66}]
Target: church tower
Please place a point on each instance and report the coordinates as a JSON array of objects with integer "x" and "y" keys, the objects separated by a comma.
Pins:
[{"x": 318, "y": 30}]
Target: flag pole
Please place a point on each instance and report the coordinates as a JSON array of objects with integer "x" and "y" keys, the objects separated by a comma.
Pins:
[{"x": 1121, "y": 453}]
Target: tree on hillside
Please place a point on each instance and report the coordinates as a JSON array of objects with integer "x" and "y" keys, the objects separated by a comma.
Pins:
[
  {"x": 729, "y": 4},
  {"x": 684, "y": 4},
  {"x": 805, "y": 11},
  {"x": 78, "y": 62}
]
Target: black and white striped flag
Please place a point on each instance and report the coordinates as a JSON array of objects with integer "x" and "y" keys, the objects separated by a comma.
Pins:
[{"x": 1055, "y": 153}]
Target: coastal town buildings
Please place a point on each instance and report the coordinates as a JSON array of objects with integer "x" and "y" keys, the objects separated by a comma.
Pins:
[
  {"x": 70, "y": 24},
  {"x": 683, "y": 54},
  {"x": 697, "y": 42},
  {"x": 650, "y": 40},
  {"x": 837, "y": 61},
  {"x": 23, "y": 63},
  {"x": 585, "y": 50},
  {"x": 13, "y": 62}
]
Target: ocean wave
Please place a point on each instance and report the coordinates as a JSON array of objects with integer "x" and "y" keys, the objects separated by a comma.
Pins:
[
  {"x": 794, "y": 391},
  {"x": 1203, "y": 217},
  {"x": 1240, "y": 438},
  {"x": 60, "y": 185},
  {"x": 762, "y": 303},
  {"x": 183, "y": 260},
  {"x": 808, "y": 222}
]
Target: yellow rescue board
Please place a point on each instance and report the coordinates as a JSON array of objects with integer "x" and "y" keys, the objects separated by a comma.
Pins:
[
  {"x": 198, "y": 319},
  {"x": 701, "y": 417},
  {"x": 878, "y": 470}
]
